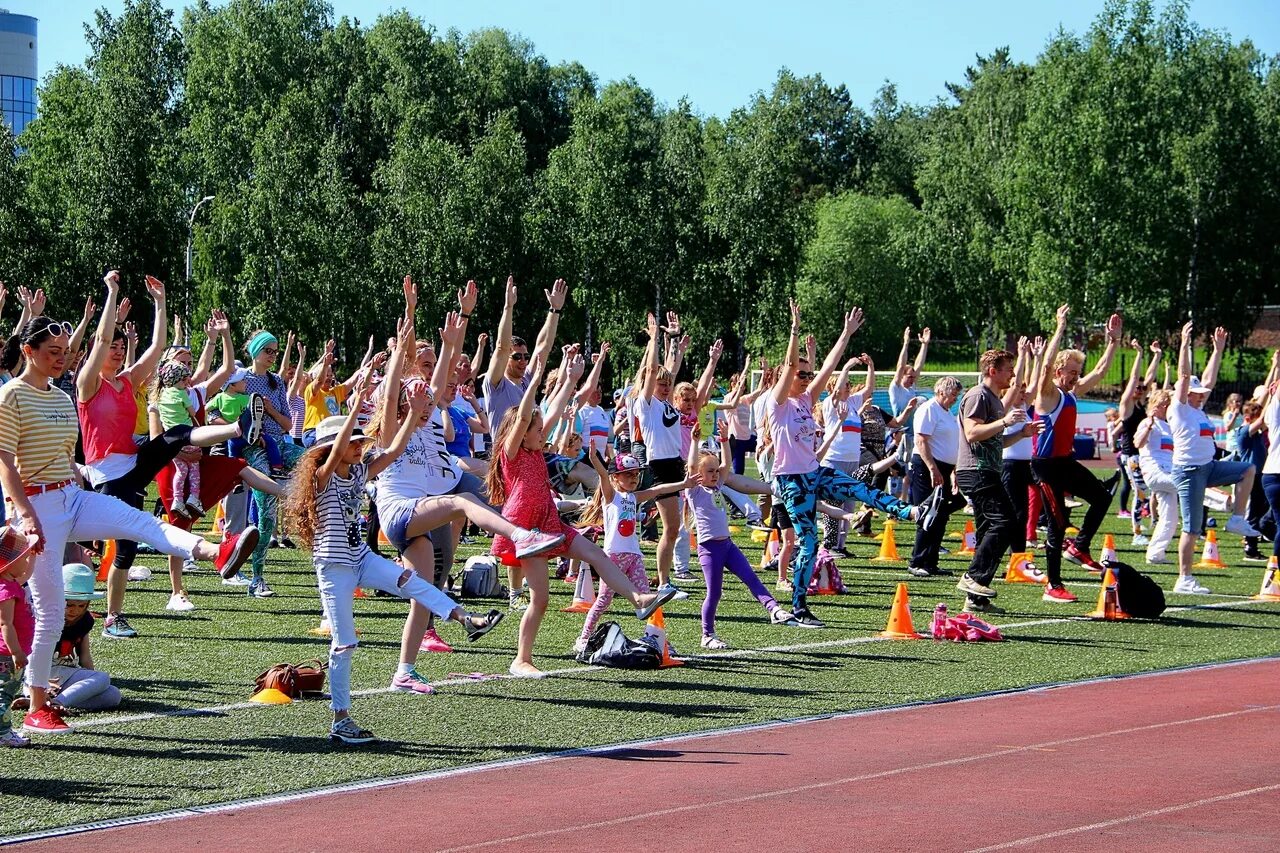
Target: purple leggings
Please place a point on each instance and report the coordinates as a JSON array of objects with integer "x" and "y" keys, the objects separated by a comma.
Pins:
[{"x": 716, "y": 555}]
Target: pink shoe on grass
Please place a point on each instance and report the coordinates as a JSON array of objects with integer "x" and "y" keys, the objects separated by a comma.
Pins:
[{"x": 431, "y": 642}]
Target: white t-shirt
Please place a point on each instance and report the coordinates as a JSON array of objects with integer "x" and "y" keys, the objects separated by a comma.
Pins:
[
  {"x": 425, "y": 469},
  {"x": 941, "y": 430},
  {"x": 1021, "y": 450},
  {"x": 660, "y": 425},
  {"x": 847, "y": 446},
  {"x": 793, "y": 432},
  {"x": 1192, "y": 434},
  {"x": 1159, "y": 446},
  {"x": 1271, "y": 417},
  {"x": 593, "y": 425},
  {"x": 621, "y": 520}
]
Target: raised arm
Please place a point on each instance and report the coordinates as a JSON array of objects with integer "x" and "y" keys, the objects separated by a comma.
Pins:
[
  {"x": 89, "y": 379},
  {"x": 1215, "y": 360},
  {"x": 703, "y": 391},
  {"x": 301, "y": 378},
  {"x": 556, "y": 297},
  {"x": 478, "y": 359},
  {"x": 926, "y": 335},
  {"x": 1182, "y": 388},
  {"x": 649, "y": 369},
  {"x": 597, "y": 367},
  {"x": 903, "y": 356},
  {"x": 515, "y": 438},
  {"x": 790, "y": 361},
  {"x": 570, "y": 372},
  {"x": 77, "y": 336},
  {"x": 220, "y": 328},
  {"x": 200, "y": 372},
  {"x": 1046, "y": 398},
  {"x": 606, "y": 487},
  {"x": 1019, "y": 365},
  {"x": 390, "y": 424},
  {"x": 150, "y": 359},
  {"x": 1114, "y": 328},
  {"x": 1131, "y": 387},
  {"x": 852, "y": 321},
  {"x": 502, "y": 345}
]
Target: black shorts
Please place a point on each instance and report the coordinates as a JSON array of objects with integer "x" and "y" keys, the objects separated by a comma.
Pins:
[
  {"x": 667, "y": 471},
  {"x": 780, "y": 518}
]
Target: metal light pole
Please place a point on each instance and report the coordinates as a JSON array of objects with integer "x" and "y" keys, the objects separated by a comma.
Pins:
[{"x": 191, "y": 224}]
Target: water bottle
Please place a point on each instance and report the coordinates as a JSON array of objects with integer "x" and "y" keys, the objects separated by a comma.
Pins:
[{"x": 939, "y": 620}]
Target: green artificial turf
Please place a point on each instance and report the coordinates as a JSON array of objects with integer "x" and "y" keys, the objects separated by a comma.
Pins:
[{"x": 210, "y": 657}]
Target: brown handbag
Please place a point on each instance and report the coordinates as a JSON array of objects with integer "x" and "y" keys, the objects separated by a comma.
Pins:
[{"x": 293, "y": 680}]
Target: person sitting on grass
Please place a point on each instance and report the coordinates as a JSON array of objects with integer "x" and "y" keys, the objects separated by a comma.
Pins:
[
  {"x": 77, "y": 685},
  {"x": 324, "y": 507}
]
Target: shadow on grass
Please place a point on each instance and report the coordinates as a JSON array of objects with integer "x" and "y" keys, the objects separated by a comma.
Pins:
[
  {"x": 70, "y": 791},
  {"x": 680, "y": 756}
]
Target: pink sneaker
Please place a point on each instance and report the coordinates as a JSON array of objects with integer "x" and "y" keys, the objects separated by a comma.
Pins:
[
  {"x": 1058, "y": 594},
  {"x": 536, "y": 542},
  {"x": 431, "y": 642},
  {"x": 411, "y": 682}
]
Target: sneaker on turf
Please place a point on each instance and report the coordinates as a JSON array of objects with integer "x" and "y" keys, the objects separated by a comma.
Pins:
[
  {"x": 1255, "y": 556},
  {"x": 47, "y": 721},
  {"x": 845, "y": 553},
  {"x": 118, "y": 628},
  {"x": 14, "y": 740},
  {"x": 711, "y": 641},
  {"x": 783, "y": 586},
  {"x": 926, "y": 513},
  {"x": 346, "y": 731},
  {"x": 411, "y": 682},
  {"x": 236, "y": 580},
  {"x": 1157, "y": 560},
  {"x": 1081, "y": 558},
  {"x": 257, "y": 411},
  {"x": 535, "y": 542},
  {"x": 517, "y": 602},
  {"x": 579, "y": 646},
  {"x": 781, "y": 617},
  {"x": 194, "y": 506},
  {"x": 804, "y": 618},
  {"x": 973, "y": 588},
  {"x": 431, "y": 642},
  {"x": 180, "y": 603},
  {"x": 923, "y": 571},
  {"x": 1188, "y": 585},
  {"x": 661, "y": 596},
  {"x": 1058, "y": 595},
  {"x": 978, "y": 604},
  {"x": 682, "y": 575},
  {"x": 1140, "y": 539},
  {"x": 679, "y": 594},
  {"x": 234, "y": 550},
  {"x": 189, "y": 566},
  {"x": 1241, "y": 527},
  {"x": 1124, "y": 515},
  {"x": 178, "y": 509},
  {"x": 258, "y": 588},
  {"x": 139, "y": 573}
]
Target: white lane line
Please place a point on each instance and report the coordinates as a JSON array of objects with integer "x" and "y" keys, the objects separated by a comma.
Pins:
[
  {"x": 1075, "y": 830},
  {"x": 606, "y": 749}
]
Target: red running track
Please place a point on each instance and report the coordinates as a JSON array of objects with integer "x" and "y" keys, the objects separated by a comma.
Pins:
[{"x": 1173, "y": 761}]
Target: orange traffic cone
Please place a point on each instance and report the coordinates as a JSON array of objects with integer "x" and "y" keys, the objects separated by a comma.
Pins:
[
  {"x": 324, "y": 629},
  {"x": 584, "y": 592},
  {"x": 360, "y": 593},
  {"x": 1210, "y": 558},
  {"x": 769, "y": 545},
  {"x": 657, "y": 627},
  {"x": 970, "y": 538},
  {"x": 1109, "y": 600},
  {"x": 219, "y": 518},
  {"x": 1270, "y": 582},
  {"x": 1022, "y": 569},
  {"x": 108, "y": 557},
  {"x": 888, "y": 547},
  {"x": 1108, "y": 550},
  {"x": 900, "y": 627}
]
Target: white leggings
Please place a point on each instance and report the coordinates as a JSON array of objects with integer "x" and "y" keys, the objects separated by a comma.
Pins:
[
  {"x": 338, "y": 584},
  {"x": 71, "y": 514}
]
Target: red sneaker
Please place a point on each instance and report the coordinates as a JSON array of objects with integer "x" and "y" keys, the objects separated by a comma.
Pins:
[
  {"x": 431, "y": 642},
  {"x": 234, "y": 550},
  {"x": 1058, "y": 594},
  {"x": 1082, "y": 558},
  {"x": 47, "y": 721}
]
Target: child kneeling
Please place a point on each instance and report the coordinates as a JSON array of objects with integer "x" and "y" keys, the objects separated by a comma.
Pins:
[{"x": 78, "y": 685}]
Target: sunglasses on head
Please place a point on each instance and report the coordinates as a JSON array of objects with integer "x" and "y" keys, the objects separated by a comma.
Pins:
[
  {"x": 519, "y": 356},
  {"x": 58, "y": 327}
]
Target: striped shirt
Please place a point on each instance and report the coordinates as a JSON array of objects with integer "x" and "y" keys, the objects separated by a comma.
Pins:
[
  {"x": 337, "y": 538},
  {"x": 39, "y": 428}
]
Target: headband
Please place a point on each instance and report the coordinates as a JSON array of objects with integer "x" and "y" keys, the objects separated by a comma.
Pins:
[{"x": 259, "y": 343}]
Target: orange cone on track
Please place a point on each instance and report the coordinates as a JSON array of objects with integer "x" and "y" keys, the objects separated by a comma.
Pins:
[
  {"x": 970, "y": 537},
  {"x": 769, "y": 544},
  {"x": 900, "y": 627},
  {"x": 888, "y": 547},
  {"x": 1270, "y": 582},
  {"x": 108, "y": 557},
  {"x": 1108, "y": 550},
  {"x": 584, "y": 592},
  {"x": 1022, "y": 569},
  {"x": 1109, "y": 600},
  {"x": 1210, "y": 558},
  {"x": 657, "y": 627}
]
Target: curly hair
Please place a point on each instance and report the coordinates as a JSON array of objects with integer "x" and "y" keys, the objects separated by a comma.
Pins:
[{"x": 299, "y": 505}]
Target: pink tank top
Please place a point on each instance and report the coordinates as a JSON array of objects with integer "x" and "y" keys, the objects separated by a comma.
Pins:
[{"x": 106, "y": 421}]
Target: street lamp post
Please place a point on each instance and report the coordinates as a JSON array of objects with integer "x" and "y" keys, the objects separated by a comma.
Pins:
[{"x": 191, "y": 224}]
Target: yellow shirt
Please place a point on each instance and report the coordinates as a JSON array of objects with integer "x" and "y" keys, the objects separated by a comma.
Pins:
[
  {"x": 39, "y": 428},
  {"x": 141, "y": 425},
  {"x": 322, "y": 404}
]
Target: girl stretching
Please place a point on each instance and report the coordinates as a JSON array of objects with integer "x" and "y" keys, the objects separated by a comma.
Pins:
[
  {"x": 615, "y": 504},
  {"x": 518, "y": 479},
  {"x": 324, "y": 502}
]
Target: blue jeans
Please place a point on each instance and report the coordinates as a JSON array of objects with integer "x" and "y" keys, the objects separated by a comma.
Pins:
[
  {"x": 1192, "y": 480},
  {"x": 1271, "y": 488},
  {"x": 338, "y": 584},
  {"x": 266, "y": 504},
  {"x": 800, "y": 494}
]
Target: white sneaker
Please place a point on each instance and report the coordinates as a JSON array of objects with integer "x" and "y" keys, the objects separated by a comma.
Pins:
[
  {"x": 1239, "y": 525},
  {"x": 139, "y": 573},
  {"x": 579, "y": 646},
  {"x": 1157, "y": 560},
  {"x": 680, "y": 595},
  {"x": 236, "y": 580},
  {"x": 180, "y": 603},
  {"x": 782, "y": 616},
  {"x": 1188, "y": 585},
  {"x": 1141, "y": 539},
  {"x": 711, "y": 641},
  {"x": 190, "y": 567}
]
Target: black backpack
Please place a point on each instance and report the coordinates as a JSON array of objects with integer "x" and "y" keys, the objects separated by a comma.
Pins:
[
  {"x": 608, "y": 646},
  {"x": 1138, "y": 595}
]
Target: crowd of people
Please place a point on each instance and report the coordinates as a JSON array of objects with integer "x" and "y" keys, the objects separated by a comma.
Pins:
[{"x": 408, "y": 452}]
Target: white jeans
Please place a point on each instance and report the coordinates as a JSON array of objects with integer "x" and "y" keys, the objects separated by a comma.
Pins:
[
  {"x": 1164, "y": 494},
  {"x": 72, "y": 514},
  {"x": 338, "y": 584}
]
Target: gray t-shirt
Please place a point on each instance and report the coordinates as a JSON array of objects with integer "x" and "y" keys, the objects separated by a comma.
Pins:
[
  {"x": 498, "y": 398},
  {"x": 980, "y": 403}
]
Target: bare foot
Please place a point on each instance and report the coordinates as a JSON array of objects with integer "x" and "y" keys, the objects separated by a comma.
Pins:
[{"x": 519, "y": 669}]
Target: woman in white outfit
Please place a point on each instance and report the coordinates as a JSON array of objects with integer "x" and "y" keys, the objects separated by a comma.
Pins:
[{"x": 1154, "y": 440}]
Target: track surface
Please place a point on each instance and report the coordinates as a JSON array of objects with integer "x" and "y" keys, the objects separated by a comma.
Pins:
[{"x": 1185, "y": 760}]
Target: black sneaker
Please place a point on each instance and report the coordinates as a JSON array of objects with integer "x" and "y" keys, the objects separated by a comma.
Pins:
[
  {"x": 1255, "y": 556},
  {"x": 804, "y": 618},
  {"x": 257, "y": 411},
  {"x": 118, "y": 628}
]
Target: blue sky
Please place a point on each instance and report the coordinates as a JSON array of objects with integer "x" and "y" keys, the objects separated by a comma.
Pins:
[{"x": 718, "y": 54}]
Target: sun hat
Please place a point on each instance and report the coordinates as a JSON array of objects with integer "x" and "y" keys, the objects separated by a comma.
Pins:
[
  {"x": 77, "y": 582},
  {"x": 237, "y": 375},
  {"x": 327, "y": 431},
  {"x": 15, "y": 547},
  {"x": 625, "y": 463}
]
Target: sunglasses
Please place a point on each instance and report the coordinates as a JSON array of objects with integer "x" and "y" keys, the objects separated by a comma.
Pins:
[
  {"x": 519, "y": 356},
  {"x": 805, "y": 374},
  {"x": 58, "y": 327}
]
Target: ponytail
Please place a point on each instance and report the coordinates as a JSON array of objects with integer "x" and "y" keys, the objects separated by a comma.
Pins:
[{"x": 12, "y": 356}]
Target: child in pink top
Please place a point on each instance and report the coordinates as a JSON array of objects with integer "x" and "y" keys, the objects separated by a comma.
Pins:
[
  {"x": 17, "y": 629},
  {"x": 518, "y": 480}
]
